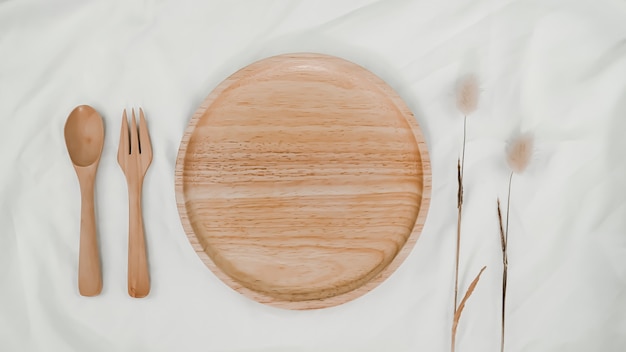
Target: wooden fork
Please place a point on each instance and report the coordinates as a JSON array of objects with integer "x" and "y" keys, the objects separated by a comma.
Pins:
[{"x": 134, "y": 156}]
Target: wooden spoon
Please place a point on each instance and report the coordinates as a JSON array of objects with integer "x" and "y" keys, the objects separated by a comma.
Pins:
[{"x": 84, "y": 137}]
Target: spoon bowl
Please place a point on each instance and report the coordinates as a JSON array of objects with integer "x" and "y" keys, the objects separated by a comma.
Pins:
[{"x": 84, "y": 135}]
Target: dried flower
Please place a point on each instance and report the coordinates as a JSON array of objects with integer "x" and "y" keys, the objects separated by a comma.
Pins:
[
  {"x": 518, "y": 155},
  {"x": 467, "y": 102},
  {"x": 467, "y": 93},
  {"x": 519, "y": 152}
]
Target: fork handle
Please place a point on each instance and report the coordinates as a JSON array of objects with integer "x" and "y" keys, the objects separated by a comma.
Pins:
[{"x": 138, "y": 274}]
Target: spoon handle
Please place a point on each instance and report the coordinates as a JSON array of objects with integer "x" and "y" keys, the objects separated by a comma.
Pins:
[
  {"x": 138, "y": 274},
  {"x": 89, "y": 273}
]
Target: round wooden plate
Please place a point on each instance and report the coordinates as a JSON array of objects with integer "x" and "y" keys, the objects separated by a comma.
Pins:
[{"x": 303, "y": 181}]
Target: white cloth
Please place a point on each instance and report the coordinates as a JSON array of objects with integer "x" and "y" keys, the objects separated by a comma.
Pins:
[{"x": 554, "y": 68}]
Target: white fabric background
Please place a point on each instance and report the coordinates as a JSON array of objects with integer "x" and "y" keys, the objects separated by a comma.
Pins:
[{"x": 555, "y": 68}]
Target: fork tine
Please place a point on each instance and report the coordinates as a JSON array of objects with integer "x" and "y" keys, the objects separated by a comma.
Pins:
[
  {"x": 134, "y": 138},
  {"x": 144, "y": 136},
  {"x": 124, "y": 147}
]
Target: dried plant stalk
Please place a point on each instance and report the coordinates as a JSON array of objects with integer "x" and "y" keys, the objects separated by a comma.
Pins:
[
  {"x": 518, "y": 156},
  {"x": 505, "y": 266},
  {"x": 458, "y": 235},
  {"x": 467, "y": 95},
  {"x": 502, "y": 239},
  {"x": 457, "y": 313},
  {"x": 460, "y": 183}
]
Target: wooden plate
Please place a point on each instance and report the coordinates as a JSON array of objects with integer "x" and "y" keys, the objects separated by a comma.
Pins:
[{"x": 303, "y": 181}]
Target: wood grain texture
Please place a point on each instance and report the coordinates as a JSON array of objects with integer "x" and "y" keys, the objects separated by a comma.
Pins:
[
  {"x": 303, "y": 181},
  {"x": 84, "y": 137},
  {"x": 134, "y": 156}
]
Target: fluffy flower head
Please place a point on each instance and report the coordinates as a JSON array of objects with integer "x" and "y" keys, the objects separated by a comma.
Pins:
[
  {"x": 519, "y": 153},
  {"x": 467, "y": 92}
]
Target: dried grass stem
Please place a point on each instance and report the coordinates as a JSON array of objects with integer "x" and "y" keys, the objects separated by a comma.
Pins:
[
  {"x": 504, "y": 240},
  {"x": 458, "y": 234},
  {"x": 508, "y": 207}
]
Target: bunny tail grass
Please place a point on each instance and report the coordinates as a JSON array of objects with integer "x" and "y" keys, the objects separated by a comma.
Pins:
[
  {"x": 519, "y": 152},
  {"x": 467, "y": 94}
]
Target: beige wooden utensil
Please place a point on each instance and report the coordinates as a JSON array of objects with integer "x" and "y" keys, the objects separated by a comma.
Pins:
[
  {"x": 303, "y": 181},
  {"x": 134, "y": 156},
  {"x": 84, "y": 137}
]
